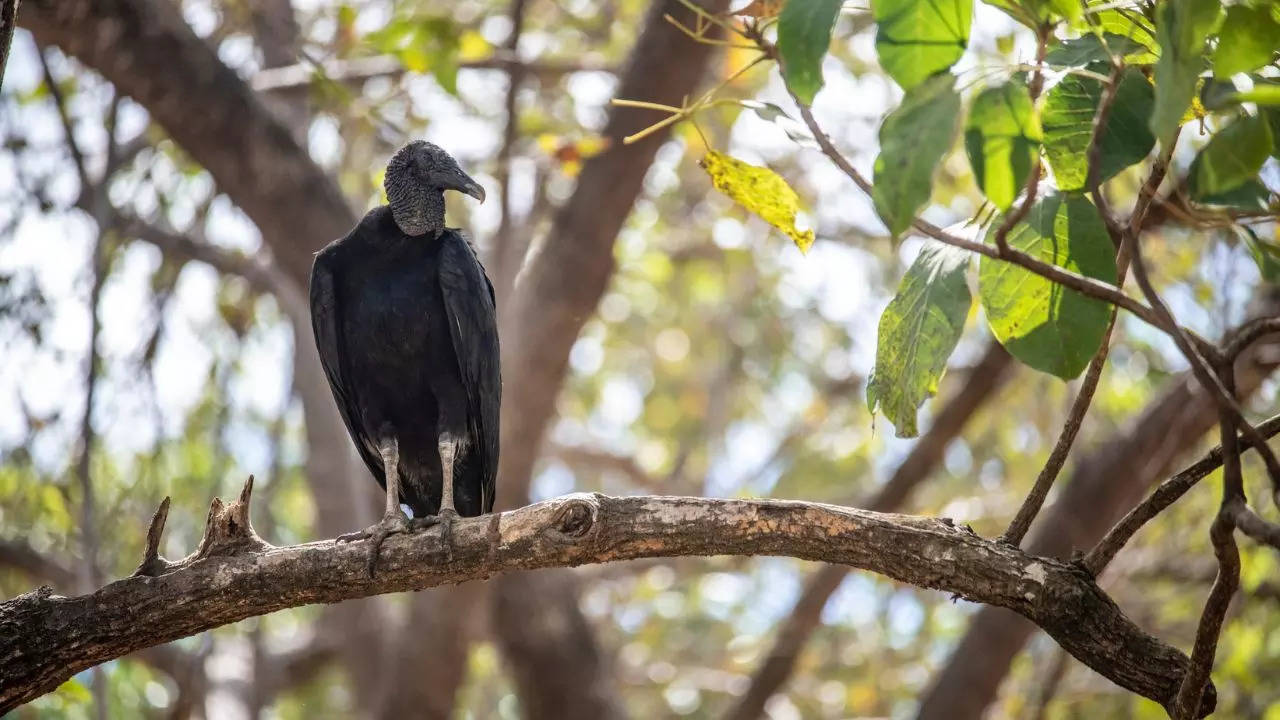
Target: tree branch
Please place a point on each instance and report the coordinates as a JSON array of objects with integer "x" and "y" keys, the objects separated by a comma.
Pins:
[
  {"x": 301, "y": 75},
  {"x": 8, "y": 21},
  {"x": 1222, "y": 535},
  {"x": 1165, "y": 495},
  {"x": 235, "y": 575}
]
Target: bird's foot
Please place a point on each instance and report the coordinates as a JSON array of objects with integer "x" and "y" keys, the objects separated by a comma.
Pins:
[
  {"x": 445, "y": 518},
  {"x": 389, "y": 525}
]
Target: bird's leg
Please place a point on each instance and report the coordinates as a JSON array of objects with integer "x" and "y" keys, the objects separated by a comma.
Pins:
[
  {"x": 393, "y": 519},
  {"x": 448, "y": 446}
]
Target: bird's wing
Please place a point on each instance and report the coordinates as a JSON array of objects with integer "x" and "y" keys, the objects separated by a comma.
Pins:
[
  {"x": 473, "y": 325},
  {"x": 325, "y": 306}
]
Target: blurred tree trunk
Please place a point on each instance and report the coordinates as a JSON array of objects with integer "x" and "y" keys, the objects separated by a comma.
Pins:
[
  {"x": 560, "y": 669},
  {"x": 1102, "y": 488}
]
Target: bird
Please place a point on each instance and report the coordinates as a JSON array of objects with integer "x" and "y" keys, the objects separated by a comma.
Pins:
[{"x": 405, "y": 323}]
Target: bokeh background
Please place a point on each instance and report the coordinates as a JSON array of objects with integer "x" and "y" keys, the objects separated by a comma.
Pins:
[{"x": 155, "y": 343}]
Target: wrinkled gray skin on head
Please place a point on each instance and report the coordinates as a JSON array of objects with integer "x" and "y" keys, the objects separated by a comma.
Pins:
[{"x": 417, "y": 177}]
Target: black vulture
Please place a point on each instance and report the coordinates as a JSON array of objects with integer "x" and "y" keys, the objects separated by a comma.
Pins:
[{"x": 405, "y": 323}]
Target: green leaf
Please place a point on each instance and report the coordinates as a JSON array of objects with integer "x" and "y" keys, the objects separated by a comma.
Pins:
[
  {"x": 918, "y": 331},
  {"x": 1043, "y": 324},
  {"x": 913, "y": 139},
  {"x": 1233, "y": 156},
  {"x": 1130, "y": 23},
  {"x": 1248, "y": 40},
  {"x": 804, "y": 34},
  {"x": 1272, "y": 114},
  {"x": 760, "y": 190},
  {"x": 1072, "y": 10},
  {"x": 1091, "y": 48},
  {"x": 1002, "y": 138},
  {"x": 1182, "y": 26},
  {"x": 917, "y": 39},
  {"x": 1261, "y": 94},
  {"x": 1265, "y": 253},
  {"x": 1251, "y": 196},
  {"x": 1069, "y": 111}
]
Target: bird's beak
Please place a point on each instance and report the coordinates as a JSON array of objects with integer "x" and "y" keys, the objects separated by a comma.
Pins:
[{"x": 465, "y": 185}]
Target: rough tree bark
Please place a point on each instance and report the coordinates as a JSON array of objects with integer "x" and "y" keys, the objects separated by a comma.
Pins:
[
  {"x": 1103, "y": 486},
  {"x": 46, "y": 638}
]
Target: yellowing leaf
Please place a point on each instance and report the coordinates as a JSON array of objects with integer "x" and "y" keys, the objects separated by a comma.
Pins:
[{"x": 760, "y": 190}]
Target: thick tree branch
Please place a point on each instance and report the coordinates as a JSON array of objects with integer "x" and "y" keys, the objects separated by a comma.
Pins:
[{"x": 234, "y": 575}]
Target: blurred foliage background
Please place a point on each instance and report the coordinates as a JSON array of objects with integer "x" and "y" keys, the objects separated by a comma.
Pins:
[{"x": 720, "y": 361}]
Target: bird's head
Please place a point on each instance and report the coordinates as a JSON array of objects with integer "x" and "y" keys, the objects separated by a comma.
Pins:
[{"x": 417, "y": 176}]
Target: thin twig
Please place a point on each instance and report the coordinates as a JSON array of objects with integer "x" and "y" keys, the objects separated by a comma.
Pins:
[
  {"x": 68, "y": 127},
  {"x": 1035, "y": 84},
  {"x": 506, "y": 246},
  {"x": 1212, "y": 383},
  {"x": 1080, "y": 283},
  {"x": 1034, "y": 501},
  {"x": 1251, "y": 524},
  {"x": 1169, "y": 492},
  {"x": 1222, "y": 533},
  {"x": 1247, "y": 334}
]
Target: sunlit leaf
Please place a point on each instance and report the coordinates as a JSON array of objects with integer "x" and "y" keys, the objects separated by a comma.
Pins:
[
  {"x": 760, "y": 190},
  {"x": 1072, "y": 10},
  {"x": 1261, "y": 94},
  {"x": 1233, "y": 156},
  {"x": 1069, "y": 112},
  {"x": 1182, "y": 26},
  {"x": 918, "y": 331},
  {"x": 1128, "y": 23},
  {"x": 1249, "y": 39},
  {"x": 917, "y": 39},
  {"x": 1002, "y": 137},
  {"x": 913, "y": 139},
  {"x": 1043, "y": 324},
  {"x": 804, "y": 34}
]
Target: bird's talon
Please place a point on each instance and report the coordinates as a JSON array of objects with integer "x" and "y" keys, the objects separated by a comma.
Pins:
[
  {"x": 389, "y": 525},
  {"x": 352, "y": 536}
]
